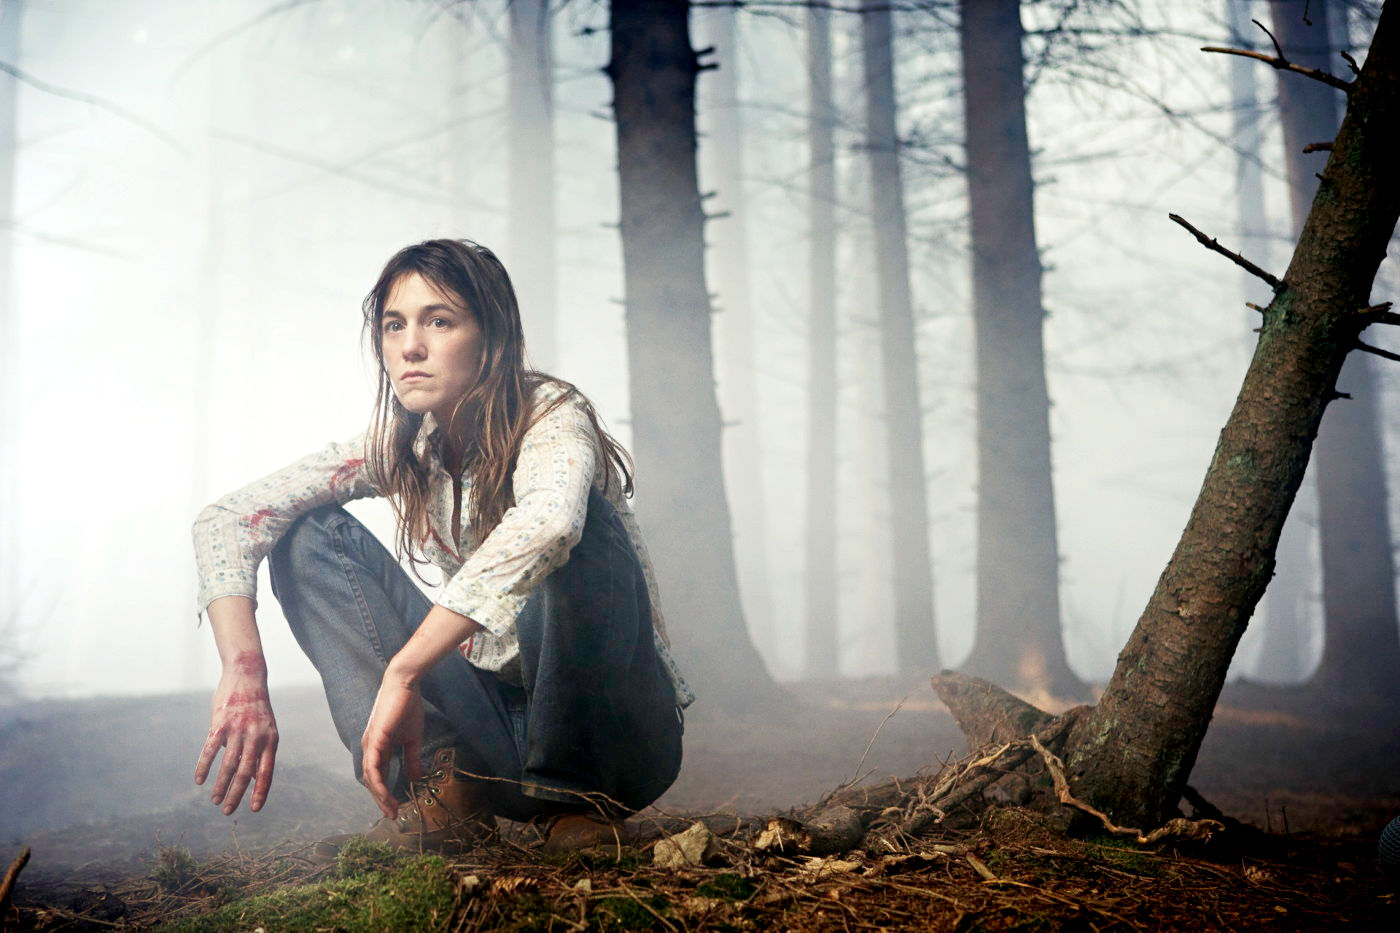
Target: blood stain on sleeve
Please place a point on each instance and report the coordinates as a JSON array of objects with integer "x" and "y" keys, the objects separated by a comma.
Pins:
[{"x": 345, "y": 472}]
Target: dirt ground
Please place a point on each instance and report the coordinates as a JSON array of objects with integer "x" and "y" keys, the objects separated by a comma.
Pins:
[{"x": 98, "y": 789}]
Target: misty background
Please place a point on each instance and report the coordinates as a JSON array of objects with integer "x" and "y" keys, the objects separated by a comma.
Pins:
[{"x": 203, "y": 193}]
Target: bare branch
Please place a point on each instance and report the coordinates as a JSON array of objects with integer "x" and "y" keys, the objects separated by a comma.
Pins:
[
  {"x": 1211, "y": 243},
  {"x": 20, "y": 74},
  {"x": 1272, "y": 38},
  {"x": 1318, "y": 147},
  {"x": 194, "y": 57},
  {"x": 1283, "y": 64},
  {"x": 1378, "y": 351},
  {"x": 1351, "y": 62}
]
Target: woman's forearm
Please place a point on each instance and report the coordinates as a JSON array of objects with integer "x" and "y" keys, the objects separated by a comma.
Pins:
[
  {"x": 440, "y": 633},
  {"x": 235, "y": 631}
]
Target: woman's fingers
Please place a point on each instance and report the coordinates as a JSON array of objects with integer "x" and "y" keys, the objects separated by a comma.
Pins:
[
  {"x": 207, "y": 754},
  {"x": 263, "y": 782},
  {"x": 374, "y": 757},
  {"x": 228, "y": 767}
]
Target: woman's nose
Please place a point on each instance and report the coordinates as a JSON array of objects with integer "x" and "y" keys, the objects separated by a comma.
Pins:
[{"x": 414, "y": 347}]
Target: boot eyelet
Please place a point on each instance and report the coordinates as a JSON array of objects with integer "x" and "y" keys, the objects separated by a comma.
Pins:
[{"x": 437, "y": 775}]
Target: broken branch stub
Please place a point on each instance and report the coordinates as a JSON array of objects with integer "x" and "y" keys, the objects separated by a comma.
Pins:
[
  {"x": 834, "y": 829},
  {"x": 987, "y": 714}
]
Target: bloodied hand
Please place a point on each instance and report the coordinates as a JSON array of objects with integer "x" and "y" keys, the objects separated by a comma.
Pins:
[{"x": 242, "y": 724}]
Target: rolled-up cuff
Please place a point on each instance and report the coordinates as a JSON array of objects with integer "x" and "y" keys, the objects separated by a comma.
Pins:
[
  {"x": 225, "y": 588},
  {"x": 496, "y": 614}
]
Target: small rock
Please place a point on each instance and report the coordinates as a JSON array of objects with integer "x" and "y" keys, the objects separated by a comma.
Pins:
[
  {"x": 584, "y": 886},
  {"x": 690, "y": 849}
]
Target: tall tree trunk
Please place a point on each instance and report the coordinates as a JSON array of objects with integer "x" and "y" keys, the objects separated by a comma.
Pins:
[
  {"x": 1286, "y": 603},
  {"x": 675, "y": 417},
  {"x": 916, "y": 645},
  {"x": 11, "y": 15},
  {"x": 530, "y": 141},
  {"x": 1131, "y": 755},
  {"x": 722, "y": 162},
  {"x": 462, "y": 131},
  {"x": 1019, "y": 642},
  {"x": 1361, "y": 645},
  {"x": 822, "y": 645}
]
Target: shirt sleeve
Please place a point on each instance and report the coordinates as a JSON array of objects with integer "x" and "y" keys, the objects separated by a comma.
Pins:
[
  {"x": 553, "y": 473},
  {"x": 234, "y": 534}
]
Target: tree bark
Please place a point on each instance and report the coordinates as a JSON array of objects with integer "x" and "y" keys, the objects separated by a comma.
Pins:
[
  {"x": 722, "y": 163},
  {"x": 1018, "y": 643},
  {"x": 1132, "y": 754},
  {"x": 916, "y": 645},
  {"x": 532, "y": 230},
  {"x": 823, "y": 649},
  {"x": 675, "y": 416},
  {"x": 1361, "y": 644}
]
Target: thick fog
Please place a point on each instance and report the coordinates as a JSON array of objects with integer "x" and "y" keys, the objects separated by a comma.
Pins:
[{"x": 204, "y": 191}]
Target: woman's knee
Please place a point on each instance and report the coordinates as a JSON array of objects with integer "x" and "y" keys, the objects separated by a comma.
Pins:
[{"x": 309, "y": 540}]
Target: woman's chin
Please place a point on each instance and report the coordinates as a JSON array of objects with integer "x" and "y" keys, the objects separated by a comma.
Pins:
[{"x": 416, "y": 404}]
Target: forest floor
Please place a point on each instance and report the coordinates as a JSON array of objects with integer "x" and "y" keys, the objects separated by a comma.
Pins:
[{"x": 1318, "y": 792}]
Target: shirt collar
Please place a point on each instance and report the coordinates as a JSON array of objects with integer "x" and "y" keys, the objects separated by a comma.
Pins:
[{"x": 424, "y": 446}]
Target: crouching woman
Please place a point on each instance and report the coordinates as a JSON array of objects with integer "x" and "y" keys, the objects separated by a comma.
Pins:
[{"x": 538, "y": 685}]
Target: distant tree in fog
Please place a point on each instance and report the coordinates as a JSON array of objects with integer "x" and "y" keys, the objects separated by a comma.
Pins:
[
  {"x": 1284, "y": 620},
  {"x": 735, "y": 330},
  {"x": 676, "y": 426},
  {"x": 1018, "y": 641},
  {"x": 531, "y": 230},
  {"x": 822, "y": 646},
  {"x": 11, "y": 12},
  {"x": 916, "y": 647}
]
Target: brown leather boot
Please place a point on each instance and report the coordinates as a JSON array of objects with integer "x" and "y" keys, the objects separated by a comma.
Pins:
[
  {"x": 446, "y": 810},
  {"x": 574, "y": 832}
]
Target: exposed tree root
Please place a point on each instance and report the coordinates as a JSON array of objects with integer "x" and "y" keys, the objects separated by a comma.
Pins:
[
  {"x": 1179, "y": 828},
  {"x": 7, "y": 885},
  {"x": 1010, "y": 737}
]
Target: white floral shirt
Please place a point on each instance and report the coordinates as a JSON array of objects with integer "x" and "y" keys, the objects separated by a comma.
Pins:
[{"x": 489, "y": 580}]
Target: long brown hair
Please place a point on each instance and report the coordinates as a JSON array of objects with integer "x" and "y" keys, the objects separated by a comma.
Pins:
[{"x": 489, "y": 422}]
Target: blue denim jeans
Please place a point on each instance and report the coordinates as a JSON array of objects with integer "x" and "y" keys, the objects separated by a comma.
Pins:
[{"x": 595, "y": 723}]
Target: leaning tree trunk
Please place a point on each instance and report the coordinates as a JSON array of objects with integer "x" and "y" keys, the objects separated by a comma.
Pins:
[
  {"x": 1361, "y": 645},
  {"x": 1132, "y": 754},
  {"x": 675, "y": 417},
  {"x": 530, "y": 142},
  {"x": 915, "y": 643},
  {"x": 1019, "y": 643},
  {"x": 823, "y": 649},
  {"x": 722, "y": 158}
]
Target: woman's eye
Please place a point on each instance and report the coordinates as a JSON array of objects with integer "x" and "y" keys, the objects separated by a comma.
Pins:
[
  {"x": 441, "y": 322},
  {"x": 391, "y": 327}
]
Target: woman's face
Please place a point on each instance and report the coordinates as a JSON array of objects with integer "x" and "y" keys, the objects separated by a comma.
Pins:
[{"x": 431, "y": 345}]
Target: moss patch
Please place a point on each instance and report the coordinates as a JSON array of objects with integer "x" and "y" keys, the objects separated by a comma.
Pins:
[
  {"x": 625, "y": 913},
  {"x": 727, "y": 887},
  {"x": 418, "y": 895}
]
